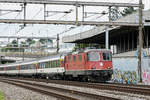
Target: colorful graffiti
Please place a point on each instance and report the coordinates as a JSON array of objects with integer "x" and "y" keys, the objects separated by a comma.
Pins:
[
  {"x": 125, "y": 70},
  {"x": 146, "y": 77},
  {"x": 128, "y": 77}
]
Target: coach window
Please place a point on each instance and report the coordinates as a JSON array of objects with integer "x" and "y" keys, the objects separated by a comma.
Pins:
[
  {"x": 51, "y": 64},
  {"x": 1, "y": 69},
  {"x": 80, "y": 57},
  {"x": 55, "y": 63},
  {"x": 74, "y": 58},
  {"x": 33, "y": 67},
  {"x": 58, "y": 63},
  {"x": 46, "y": 65},
  {"x": 39, "y": 64},
  {"x": 22, "y": 67},
  {"x": 29, "y": 66},
  {"x": 26, "y": 66},
  {"x": 42, "y": 65}
]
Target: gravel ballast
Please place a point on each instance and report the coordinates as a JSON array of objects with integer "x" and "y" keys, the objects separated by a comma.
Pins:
[
  {"x": 12, "y": 92},
  {"x": 16, "y": 93}
]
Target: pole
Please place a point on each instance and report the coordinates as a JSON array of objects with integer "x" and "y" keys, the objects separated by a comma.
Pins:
[
  {"x": 140, "y": 43},
  {"x": 23, "y": 55},
  {"x": 107, "y": 31},
  {"x": 107, "y": 37},
  {"x": 25, "y": 13},
  {"x": 83, "y": 13},
  {"x": 44, "y": 11},
  {"x": 76, "y": 14},
  {"x": 57, "y": 43}
]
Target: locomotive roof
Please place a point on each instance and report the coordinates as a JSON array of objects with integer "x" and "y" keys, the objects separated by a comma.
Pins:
[{"x": 88, "y": 50}]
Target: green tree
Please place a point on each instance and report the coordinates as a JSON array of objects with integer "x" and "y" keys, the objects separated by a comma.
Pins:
[
  {"x": 30, "y": 41},
  {"x": 115, "y": 13},
  {"x": 14, "y": 43},
  {"x": 127, "y": 11},
  {"x": 23, "y": 44},
  {"x": 43, "y": 41}
]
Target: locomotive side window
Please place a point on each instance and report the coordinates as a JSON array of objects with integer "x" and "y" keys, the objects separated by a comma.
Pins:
[
  {"x": 74, "y": 58},
  {"x": 69, "y": 58},
  {"x": 107, "y": 56},
  {"x": 80, "y": 57},
  {"x": 93, "y": 56}
]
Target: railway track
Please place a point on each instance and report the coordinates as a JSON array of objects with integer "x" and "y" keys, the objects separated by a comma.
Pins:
[
  {"x": 135, "y": 89},
  {"x": 60, "y": 93}
]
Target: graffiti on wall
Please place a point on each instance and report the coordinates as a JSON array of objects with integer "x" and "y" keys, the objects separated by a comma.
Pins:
[
  {"x": 146, "y": 77},
  {"x": 125, "y": 71},
  {"x": 128, "y": 77}
]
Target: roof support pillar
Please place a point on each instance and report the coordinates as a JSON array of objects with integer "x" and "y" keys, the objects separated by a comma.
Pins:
[
  {"x": 107, "y": 38},
  {"x": 140, "y": 43}
]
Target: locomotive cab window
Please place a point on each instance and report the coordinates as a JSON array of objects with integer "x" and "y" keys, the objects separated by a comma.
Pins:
[
  {"x": 107, "y": 56},
  {"x": 93, "y": 56}
]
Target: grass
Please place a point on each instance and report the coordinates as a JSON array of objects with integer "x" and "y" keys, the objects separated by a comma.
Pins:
[{"x": 1, "y": 96}]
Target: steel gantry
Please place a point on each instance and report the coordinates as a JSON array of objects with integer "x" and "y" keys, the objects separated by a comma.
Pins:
[
  {"x": 79, "y": 3},
  {"x": 73, "y": 3},
  {"x": 25, "y": 37},
  {"x": 20, "y": 21}
]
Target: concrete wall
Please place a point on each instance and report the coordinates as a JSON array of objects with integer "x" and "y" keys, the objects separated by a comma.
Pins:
[{"x": 125, "y": 70}]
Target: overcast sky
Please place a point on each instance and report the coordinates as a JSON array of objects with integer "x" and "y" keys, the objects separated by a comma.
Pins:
[{"x": 36, "y": 12}]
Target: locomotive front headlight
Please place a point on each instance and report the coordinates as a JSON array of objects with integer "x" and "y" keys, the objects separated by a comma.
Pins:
[{"x": 101, "y": 64}]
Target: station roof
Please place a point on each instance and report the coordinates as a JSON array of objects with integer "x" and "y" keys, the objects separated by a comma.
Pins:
[{"x": 97, "y": 34}]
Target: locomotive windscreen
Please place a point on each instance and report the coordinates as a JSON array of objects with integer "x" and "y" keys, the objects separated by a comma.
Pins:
[
  {"x": 107, "y": 56},
  {"x": 93, "y": 56}
]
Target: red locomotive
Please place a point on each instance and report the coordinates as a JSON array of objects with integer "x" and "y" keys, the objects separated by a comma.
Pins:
[{"x": 93, "y": 64}]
